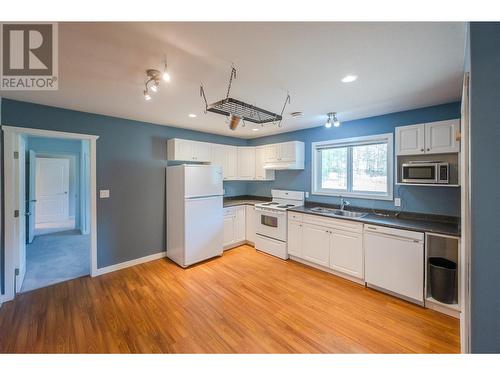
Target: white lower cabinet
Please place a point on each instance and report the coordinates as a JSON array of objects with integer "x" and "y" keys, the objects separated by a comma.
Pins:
[
  {"x": 346, "y": 253},
  {"x": 294, "y": 241},
  {"x": 316, "y": 244},
  {"x": 234, "y": 226},
  {"x": 332, "y": 243},
  {"x": 250, "y": 223}
]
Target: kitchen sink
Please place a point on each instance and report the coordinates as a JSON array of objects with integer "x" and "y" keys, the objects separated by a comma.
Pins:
[{"x": 337, "y": 212}]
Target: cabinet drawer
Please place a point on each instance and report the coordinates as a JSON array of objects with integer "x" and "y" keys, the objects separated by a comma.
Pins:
[
  {"x": 294, "y": 216},
  {"x": 333, "y": 223}
]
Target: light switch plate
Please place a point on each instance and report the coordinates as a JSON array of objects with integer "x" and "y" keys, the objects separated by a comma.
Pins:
[
  {"x": 397, "y": 202},
  {"x": 103, "y": 193}
]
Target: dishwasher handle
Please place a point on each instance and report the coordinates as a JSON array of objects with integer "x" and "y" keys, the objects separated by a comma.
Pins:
[{"x": 375, "y": 231}]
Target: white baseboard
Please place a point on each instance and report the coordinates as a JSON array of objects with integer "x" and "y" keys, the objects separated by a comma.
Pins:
[{"x": 130, "y": 263}]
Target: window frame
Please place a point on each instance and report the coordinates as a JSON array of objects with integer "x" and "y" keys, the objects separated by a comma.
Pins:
[{"x": 349, "y": 143}]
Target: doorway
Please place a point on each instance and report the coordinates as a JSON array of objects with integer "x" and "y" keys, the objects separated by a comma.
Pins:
[
  {"x": 57, "y": 245},
  {"x": 50, "y": 186}
]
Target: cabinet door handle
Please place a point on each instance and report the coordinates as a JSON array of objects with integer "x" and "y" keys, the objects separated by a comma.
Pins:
[
  {"x": 422, "y": 150},
  {"x": 428, "y": 149}
]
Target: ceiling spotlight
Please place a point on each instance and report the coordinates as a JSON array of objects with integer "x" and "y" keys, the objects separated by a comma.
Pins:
[
  {"x": 332, "y": 120},
  {"x": 349, "y": 78},
  {"x": 336, "y": 121},
  {"x": 192, "y": 115},
  {"x": 146, "y": 95},
  {"x": 255, "y": 129},
  {"x": 154, "y": 86}
]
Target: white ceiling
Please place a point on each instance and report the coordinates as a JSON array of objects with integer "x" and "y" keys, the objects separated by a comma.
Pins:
[{"x": 400, "y": 66}]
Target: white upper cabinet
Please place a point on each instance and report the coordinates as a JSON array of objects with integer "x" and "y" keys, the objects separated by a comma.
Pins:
[
  {"x": 262, "y": 173},
  {"x": 271, "y": 153},
  {"x": 432, "y": 138},
  {"x": 441, "y": 137},
  {"x": 286, "y": 155},
  {"x": 226, "y": 156},
  {"x": 186, "y": 150},
  {"x": 410, "y": 140},
  {"x": 246, "y": 163}
]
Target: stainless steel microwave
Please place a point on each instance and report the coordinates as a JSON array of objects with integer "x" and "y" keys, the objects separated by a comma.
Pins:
[{"x": 433, "y": 172}]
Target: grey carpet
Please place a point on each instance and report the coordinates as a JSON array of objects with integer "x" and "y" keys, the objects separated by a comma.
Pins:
[{"x": 56, "y": 257}]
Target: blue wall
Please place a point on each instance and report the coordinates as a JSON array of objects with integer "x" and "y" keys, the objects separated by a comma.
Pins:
[
  {"x": 131, "y": 160},
  {"x": 485, "y": 181},
  {"x": 436, "y": 200},
  {"x": 64, "y": 147}
]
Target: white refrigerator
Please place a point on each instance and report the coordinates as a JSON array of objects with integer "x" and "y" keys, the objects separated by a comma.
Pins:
[{"x": 194, "y": 213}]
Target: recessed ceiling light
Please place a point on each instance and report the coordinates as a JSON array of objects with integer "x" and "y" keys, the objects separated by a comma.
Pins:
[
  {"x": 255, "y": 129},
  {"x": 192, "y": 115},
  {"x": 349, "y": 78}
]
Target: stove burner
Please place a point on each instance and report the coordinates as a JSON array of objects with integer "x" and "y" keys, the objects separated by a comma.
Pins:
[
  {"x": 286, "y": 206},
  {"x": 270, "y": 204}
]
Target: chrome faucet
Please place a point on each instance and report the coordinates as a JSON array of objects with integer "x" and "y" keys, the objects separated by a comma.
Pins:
[{"x": 343, "y": 203}]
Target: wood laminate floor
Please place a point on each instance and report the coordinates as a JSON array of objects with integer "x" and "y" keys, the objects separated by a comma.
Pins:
[{"x": 243, "y": 302}]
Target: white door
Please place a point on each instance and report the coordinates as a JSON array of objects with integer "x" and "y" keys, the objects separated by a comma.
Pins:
[
  {"x": 201, "y": 151},
  {"x": 441, "y": 137},
  {"x": 246, "y": 163},
  {"x": 250, "y": 223},
  {"x": 52, "y": 187},
  {"x": 260, "y": 172},
  {"x": 203, "y": 226},
  {"x": 229, "y": 230},
  {"x": 202, "y": 181},
  {"x": 316, "y": 244},
  {"x": 294, "y": 243},
  {"x": 31, "y": 196},
  {"x": 240, "y": 224},
  {"x": 410, "y": 140},
  {"x": 346, "y": 253},
  {"x": 286, "y": 151},
  {"x": 271, "y": 153},
  {"x": 183, "y": 150}
]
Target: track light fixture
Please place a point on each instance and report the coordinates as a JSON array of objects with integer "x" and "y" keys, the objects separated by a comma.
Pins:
[
  {"x": 153, "y": 77},
  {"x": 332, "y": 120}
]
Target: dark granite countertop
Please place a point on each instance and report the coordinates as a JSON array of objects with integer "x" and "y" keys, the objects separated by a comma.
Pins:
[
  {"x": 244, "y": 199},
  {"x": 410, "y": 221}
]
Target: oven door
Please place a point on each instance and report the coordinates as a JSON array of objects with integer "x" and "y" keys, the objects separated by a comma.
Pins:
[
  {"x": 270, "y": 223},
  {"x": 420, "y": 173}
]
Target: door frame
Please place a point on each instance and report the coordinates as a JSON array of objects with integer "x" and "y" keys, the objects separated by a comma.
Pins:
[
  {"x": 465, "y": 203},
  {"x": 11, "y": 135}
]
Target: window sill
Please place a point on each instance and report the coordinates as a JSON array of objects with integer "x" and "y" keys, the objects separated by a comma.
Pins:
[{"x": 354, "y": 195}]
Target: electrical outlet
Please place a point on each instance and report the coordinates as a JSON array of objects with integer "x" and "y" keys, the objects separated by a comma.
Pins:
[
  {"x": 397, "y": 202},
  {"x": 307, "y": 194},
  {"x": 103, "y": 193}
]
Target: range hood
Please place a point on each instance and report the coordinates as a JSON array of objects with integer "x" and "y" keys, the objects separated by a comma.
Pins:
[{"x": 283, "y": 166}]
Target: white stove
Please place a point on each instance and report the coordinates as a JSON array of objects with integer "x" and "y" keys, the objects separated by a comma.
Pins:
[{"x": 271, "y": 221}]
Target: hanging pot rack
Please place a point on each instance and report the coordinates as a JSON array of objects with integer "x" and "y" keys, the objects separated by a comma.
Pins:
[{"x": 237, "y": 110}]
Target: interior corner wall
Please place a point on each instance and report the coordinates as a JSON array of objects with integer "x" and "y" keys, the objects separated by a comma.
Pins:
[
  {"x": 131, "y": 160},
  {"x": 2, "y": 253},
  {"x": 485, "y": 181}
]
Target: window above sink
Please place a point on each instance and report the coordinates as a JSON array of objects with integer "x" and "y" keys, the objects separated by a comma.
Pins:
[{"x": 356, "y": 167}]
